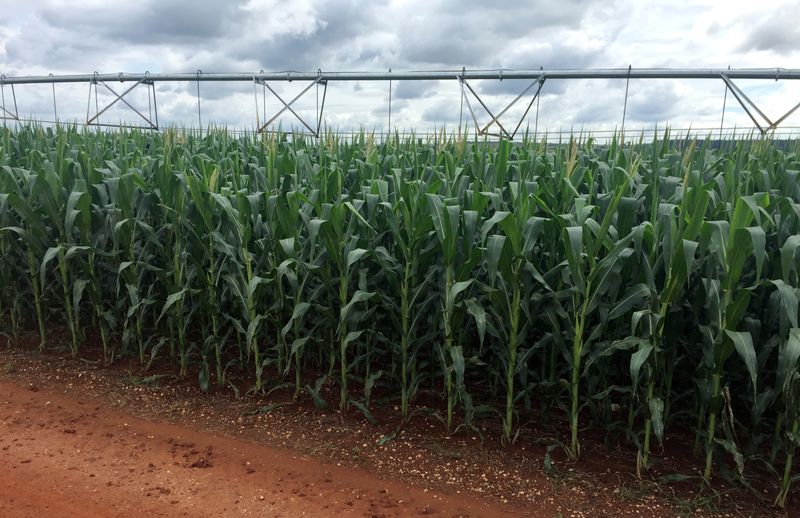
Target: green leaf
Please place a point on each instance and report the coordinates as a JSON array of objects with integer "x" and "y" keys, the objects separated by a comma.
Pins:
[
  {"x": 789, "y": 255},
  {"x": 358, "y": 215},
  {"x": 637, "y": 360},
  {"x": 494, "y": 250},
  {"x": 351, "y": 337},
  {"x": 288, "y": 247},
  {"x": 608, "y": 348},
  {"x": 731, "y": 448},
  {"x": 459, "y": 365},
  {"x": 364, "y": 410},
  {"x": 787, "y": 360},
  {"x": 386, "y": 438},
  {"x": 437, "y": 213},
  {"x": 78, "y": 288},
  {"x": 635, "y": 295},
  {"x": 657, "y": 416},
  {"x": 297, "y": 313},
  {"x": 253, "y": 285},
  {"x": 475, "y": 309},
  {"x": 758, "y": 239},
  {"x": 358, "y": 297},
  {"x": 48, "y": 256},
  {"x": 298, "y": 344},
  {"x": 689, "y": 249},
  {"x": 171, "y": 300},
  {"x": 123, "y": 266},
  {"x": 452, "y": 294},
  {"x": 315, "y": 392},
  {"x": 353, "y": 256},
  {"x": 496, "y": 218},
  {"x": 574, "y": 251},
  {"x": 743, "y": 343},
  {"x": 788, "y": 300},
  {"x": 72, "y": 250},
  {"x": 370, "y": 383}
]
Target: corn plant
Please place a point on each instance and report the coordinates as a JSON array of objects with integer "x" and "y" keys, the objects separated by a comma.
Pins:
[
  {"x": 730, "y": 243},
  {"x": 513, "y": 277},
  {"x": 640, "y": 288},
  {"x": 403, "y": 265},
  {"x": 667, "y": 266},
  {"x": 455, "y": 232},
  {"x": 340, "y": 232}
]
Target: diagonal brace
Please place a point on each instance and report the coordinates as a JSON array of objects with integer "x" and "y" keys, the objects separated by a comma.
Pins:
[
  {"x": 540, "y": 81},
  {"x": 785, "y": 115},
  {"x": 121, "y": 98},
  {"x": 288, "y": 105},
  {"x": 742, "y": 98},
  {"x": 469, "y": 104},
  {"x": 481, "y": 131},
  {"x": 5, "y": 114}
]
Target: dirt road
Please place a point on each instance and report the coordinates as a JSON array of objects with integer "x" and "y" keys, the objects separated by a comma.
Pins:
[{"x": 63, "y": 456}]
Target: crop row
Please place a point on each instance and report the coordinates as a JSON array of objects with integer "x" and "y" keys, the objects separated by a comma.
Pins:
[{"x": 633, "y": 289}]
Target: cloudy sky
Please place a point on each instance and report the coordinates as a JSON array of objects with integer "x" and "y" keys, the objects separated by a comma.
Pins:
[{"x": 83, "y": 36}]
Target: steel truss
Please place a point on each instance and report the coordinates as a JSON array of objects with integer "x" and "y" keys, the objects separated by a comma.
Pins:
[
  {"x": 494, "y": 127},
  {"x": 314, "y": 130},
  {"x": 495, "y": 119},
  {"x": 152, "y": 106},
  {"x": 5, "y": 112}
]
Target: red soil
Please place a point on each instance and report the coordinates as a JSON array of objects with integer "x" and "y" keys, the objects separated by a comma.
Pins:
[{"x": 65, "y": 456}]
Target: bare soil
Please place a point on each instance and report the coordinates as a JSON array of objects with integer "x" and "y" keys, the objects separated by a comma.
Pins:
[{"x": 78, "y": 439}]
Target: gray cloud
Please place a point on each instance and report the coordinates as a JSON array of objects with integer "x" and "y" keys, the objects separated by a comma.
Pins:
[
  {"x": 451, "y": 33},
  {"x": 778, "y": 32},
  {"x": 331, "y": 40},
  {"x": 77, "y": 36},
  {"x": 148, "y": 22},
  {"x": 653, "y": 103},
  {"x": 381, "y": 111},
  {"x": 414, "y": 89},
  {"x": 444, "y": 112}
]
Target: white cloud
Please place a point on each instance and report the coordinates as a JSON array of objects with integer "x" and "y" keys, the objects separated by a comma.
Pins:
[{"x": 81, "y": 36}]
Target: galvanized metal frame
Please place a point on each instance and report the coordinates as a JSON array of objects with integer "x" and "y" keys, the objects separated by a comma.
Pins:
[
  {"x": 319, "y": 80},
  {"x": 745, "y": 101},
  {"x": 5, "y": 114},
  {"x": 94, "y": 120},
  {"x": 599, "y": 73},
  {"x": 761, "y": 121}
]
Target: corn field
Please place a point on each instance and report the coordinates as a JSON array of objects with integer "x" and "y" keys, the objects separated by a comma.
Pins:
[{"x": 636, "y": 289}]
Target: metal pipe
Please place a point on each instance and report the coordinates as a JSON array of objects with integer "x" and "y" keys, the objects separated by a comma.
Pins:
[
  {"x": 625, "y": 106},
  {"x": 322, "y": 108},
  {"x": 525, "y": 114},
  {"x": 478, "y": 97},
  {"x": 469, "y": 106},
  {"x": 197, "y": 76},
  {"x": 112, "y": 103},
  {"x": 129, "y": 105},
  {"x": 433, "y": 75},
  {"x": 255, "y": 98},
  {"x": 783, "y": 118},
  {"x": 3, "y": 105},
  {"x": 512, "y": 103},
  {"x": 55, "y": 108},
  {"x": 735, "y": 91},
  {"x": 288, "y": 106},
  {"x": 390, "y": 104},
  {"x": 155, "y": 104},
  {"x": 724, "y": 105}
]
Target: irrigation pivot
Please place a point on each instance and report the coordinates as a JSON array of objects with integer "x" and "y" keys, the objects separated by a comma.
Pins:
[{"x": 762, "y": 122}]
